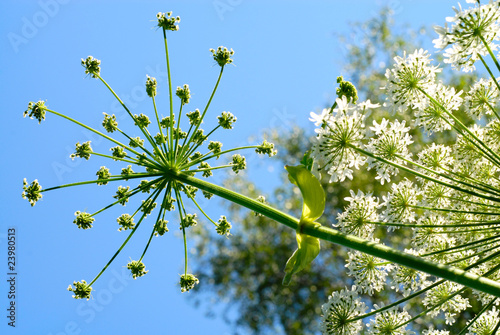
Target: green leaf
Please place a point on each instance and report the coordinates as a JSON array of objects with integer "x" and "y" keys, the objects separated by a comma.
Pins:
[
  {"x": 313, "y": 207},
  {"x": 308, "y": 249},
  {"x": 312, "y": 192}
]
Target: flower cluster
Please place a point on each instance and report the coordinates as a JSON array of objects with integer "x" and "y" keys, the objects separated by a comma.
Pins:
[
  {"x": 163, "y": 159},
  {"x": 451, "y": 206}
]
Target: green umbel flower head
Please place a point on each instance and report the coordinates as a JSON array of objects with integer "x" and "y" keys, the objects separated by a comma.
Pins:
[
  {"x": 36, "y": 110},
  {"x": 92, "y": 66},
  {"x": 32, "y": 192},
  {"x": 162, "y": 160},
  {"x": 167, "y": 22},
  {"x": 188, "y": 281},
  {"x": 81, "y": 290},
  {"x": 137, "y": 268},
  {"x": 222, "y": 55}
]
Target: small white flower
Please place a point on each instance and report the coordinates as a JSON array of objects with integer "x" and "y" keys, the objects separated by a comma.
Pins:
[
  {"x": 357, "y": 216},
  {"x": 341, "y": 307},
  {"x": 451, "y": 307},
  {"x": 391, "y": 144},
  {"x": 485, "y": 324},
  {"x": 399, "y": 203},
  {"x": 482, "y": 98},
  {"x": 432, "y": 117},
  {"x": 389, "y": 323},
  {"x": 405, "y": 81},
  {"x": 369, "y": 272},
  {"x": 339, "y": 132},
  {"x": 465, "y": 36}
]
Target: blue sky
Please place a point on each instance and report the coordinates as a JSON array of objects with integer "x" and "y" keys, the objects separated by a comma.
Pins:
[{"x": 286, "y": 60}]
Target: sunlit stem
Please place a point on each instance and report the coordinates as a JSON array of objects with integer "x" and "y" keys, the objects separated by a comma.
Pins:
[
  {"x": 421, "y": 175},
  {"x": 112, "y": 178},
  {"x": 492, "y": 109},
  {"x": 204, "y": 112},
  {"x": 484, "y": 309},
  {"x": 200, "y": 209},
  {"x": 154, "y": 195},
  {"x": 154, "y": 226},
  {"x": 92, "y": 130},
  {"x": 159, "y": 127},
  {"x": 197, "y": 145},
  {"x": 490, "y": 52},
  {"x": 144, "y": 131},
  {"x": 178, "y": 132},
  {"x": 328, "y": 234},
  {"x": 459, "y": 248},
  {"x": 138, "y": 144},
  {"x": 117, "y": 158},
  {"x": 394, "y": 304},
  {"x": 490, "y": 190},
  {"x": 132, "y": 193},
  {"x": 170, "y": 95},
  {"x": 492, "y": 156},
  {"x": 181, "y": 208},
  {"x": 207, "y": 157},
  {"x": 212, "y": 168},
  {"x": 424, "y": 312},
  {"x": 475, "y": 254}
]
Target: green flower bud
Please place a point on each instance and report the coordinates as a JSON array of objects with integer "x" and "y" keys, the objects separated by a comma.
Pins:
[
  {"x": 167, "y": 22},
  {"x": 189, "y": 221},
  {"x": 136, "y": 142},
  {"x": 161, "y": 227},
  {"x": 151, "y": 86},
  {"x": 148, "y": 206},
  {"x": 194, "y": 117},
  {"x": 118, "y": 152},
  {"x": 110, "y": 123},
  {"x": 83, "y": 220},
  {"x": 127, "y": 171},
  {"x": 36, "y": 110},
  {"x": 238, "y": 163},
  {"x": 81, "y": 290},
  {"x": 222, "y": 55},
  {"x": 183, "y": 93},
  {"x": 102, "y": 175},
  {"x": 215, "y": 147},
  {"x": 126, "y": 222},
  {"x": 141, "y": 120},
  {"x": 347, "y": 89},
  {"x": 165, "y": 122},
  {"x": 206, "y": 173},
  {"x": 32, "y": 192},
  {"x": 188, "y": 282},
  {"x": 198, "y": 137},
  {"x": 137, "y": 268},
  {"x": 82, "y": 150},
  {"x": 92, "y": 66},
  {"x": 266, "y": 148},
  {"x": 122, "y": 194},
  {"x": 223, "y": 226},
  {"x": 226, "y": 120}
]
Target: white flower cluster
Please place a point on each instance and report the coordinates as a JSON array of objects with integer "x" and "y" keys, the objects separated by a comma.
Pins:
[{"x": 451, "y": 205}]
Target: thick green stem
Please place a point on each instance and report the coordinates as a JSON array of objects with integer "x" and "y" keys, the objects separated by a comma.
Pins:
[{"x": 327, "y": 234}]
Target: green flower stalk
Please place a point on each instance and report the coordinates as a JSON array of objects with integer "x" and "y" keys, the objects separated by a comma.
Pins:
[{"x": 157, "y": 157}]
